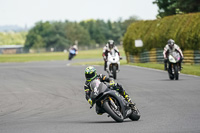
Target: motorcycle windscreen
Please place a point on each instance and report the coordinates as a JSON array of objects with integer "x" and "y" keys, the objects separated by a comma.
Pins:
[
  {"x": 113, "y": 53},
  {"x": 174, "y": 57},
  {"x": 72, "y": 51},
  {"x": 97, "y": 88}
]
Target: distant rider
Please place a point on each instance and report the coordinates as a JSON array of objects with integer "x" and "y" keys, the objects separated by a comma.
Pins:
[
  {"x": 109, "y": 46},
  {"x": 73, "y": 51},
  {"x": 91, "y": 74},
  {"x": 169, "y": 48}
]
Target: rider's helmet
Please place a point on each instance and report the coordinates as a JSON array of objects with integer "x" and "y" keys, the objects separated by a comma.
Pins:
[
  {"x": 90, "y": 73},
  {"x": 111, "y": 44},
  {"x": 170, "y": 43},
  {"x": 75, "y": 47}
]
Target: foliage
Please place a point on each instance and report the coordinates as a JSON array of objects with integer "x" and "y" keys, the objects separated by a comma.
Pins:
[
  {"x": 172, "y": 7},
  {"x": 12, "y": 38},
  {"x": 61, "y": 35},
  {"x": 99, "y": 30},
  {"x": 184, "y": 29},
  {"x": 47, "y": 35},
  {"x": 75, "y": 32}
]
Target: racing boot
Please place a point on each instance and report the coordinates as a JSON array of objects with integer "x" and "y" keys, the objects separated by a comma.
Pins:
[
  {"x": 105, "y": 65},
  {"x": 165, "y": 66},
  {"x": 180, "y": 67},
  {"x": 131, "y": 104},
  {"x": 128, "y": 99},
  {"x": 99, "y": 111},
  {"x": 165, "y": 62},
  {"x": 120, "y": 89}
]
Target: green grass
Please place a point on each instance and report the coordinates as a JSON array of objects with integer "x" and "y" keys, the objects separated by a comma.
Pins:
[
  {"x": 88, "y": 54},
  {"x": 33, "y": 57},
  {"x": 187, "y": 69},
  {"x": 85, "y": 54},
  {"x": 48, "y": 56}
]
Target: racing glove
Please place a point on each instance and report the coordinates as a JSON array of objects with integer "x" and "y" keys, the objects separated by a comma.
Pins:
[{"x": 90, "y": 101}]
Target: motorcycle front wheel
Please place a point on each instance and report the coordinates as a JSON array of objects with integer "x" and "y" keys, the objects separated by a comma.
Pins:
[
  {"x": 176, "y": 74},
  {"x": 114, "y": 72},
  {"x": 171, "y": 75},
  {"x": 115, "y": 114}
]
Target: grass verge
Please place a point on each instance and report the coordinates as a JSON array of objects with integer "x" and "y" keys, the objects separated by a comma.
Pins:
[
  {"x": 187, "y": 69},
  {"x": 85, "y": 54},
  {"x": 88, "y": 54}
]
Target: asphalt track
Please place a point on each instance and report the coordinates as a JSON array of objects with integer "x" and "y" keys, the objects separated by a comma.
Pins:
[{"x": 48, "y": 97}]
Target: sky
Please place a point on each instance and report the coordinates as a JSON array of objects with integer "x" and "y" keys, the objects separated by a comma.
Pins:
[{"x": 28, "y": 12}]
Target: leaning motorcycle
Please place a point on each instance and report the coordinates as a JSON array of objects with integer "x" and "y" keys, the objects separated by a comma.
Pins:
[
  {"x": 111, "y": 102},
  {"x": 72, "y": 53},
  {"x": 113, "y": 64},
  {"x": 174, "y": 65}
]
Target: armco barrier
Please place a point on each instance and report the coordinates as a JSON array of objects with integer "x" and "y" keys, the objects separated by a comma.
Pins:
[
  {"x": 144, "y": 57},
  {"x": 190, "y": 57},
  {"x": 197, "y": 57}
]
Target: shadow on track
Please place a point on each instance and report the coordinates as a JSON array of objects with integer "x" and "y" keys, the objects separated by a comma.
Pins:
[{"x": 95, "y": 122}]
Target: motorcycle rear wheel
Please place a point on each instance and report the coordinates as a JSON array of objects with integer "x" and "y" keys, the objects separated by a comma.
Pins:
[{"x": 135, "y": 116}]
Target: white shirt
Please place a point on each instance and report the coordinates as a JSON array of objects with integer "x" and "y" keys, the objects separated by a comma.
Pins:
[
  {"x": 106, "y": 48},
  {"x": 167, "y": 48}
]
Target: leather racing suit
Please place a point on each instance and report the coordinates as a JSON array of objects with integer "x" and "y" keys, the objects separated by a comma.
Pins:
[{"x": 117, "y": 86}]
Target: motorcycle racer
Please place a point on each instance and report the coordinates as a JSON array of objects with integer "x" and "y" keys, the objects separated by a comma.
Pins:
[
  {"x": 91, "y": 74},
  {"x": 73, "y": 51},
  {"x": 109, "y": 46},
  {"x": 169, "y": 48}
]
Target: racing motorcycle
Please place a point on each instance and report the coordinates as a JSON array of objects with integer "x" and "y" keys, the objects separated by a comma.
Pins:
[
  {"x": 174, "y": 65},
  {"x": 72, "y": 53},
  {"x": 111, "y": 102},
  {"x": 113, "y": 63}
]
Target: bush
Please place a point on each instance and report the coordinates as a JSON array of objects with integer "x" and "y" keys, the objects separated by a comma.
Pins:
[{"x": 184, "y": 29}]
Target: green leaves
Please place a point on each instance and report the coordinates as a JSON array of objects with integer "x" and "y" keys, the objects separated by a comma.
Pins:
[
  {"x": 12, "y": 38},
  {"x": 61, "y": 35},
  {"x": 184, "y": 29},
  {"x": 172, "y": 7}
]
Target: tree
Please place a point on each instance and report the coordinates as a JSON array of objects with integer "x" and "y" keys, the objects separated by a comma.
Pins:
[
  {"x": 47, "y": 35},
  {"x": 96, "y": 29},
  {"x": 75, "y": 32},
  {"x": 57, "y": 37},
  {"x": 36, "y": 36},
  {"x": 172, "y": 7},
  {"x": 189, "y": 6},
  {"x": 166, "y": 7}
]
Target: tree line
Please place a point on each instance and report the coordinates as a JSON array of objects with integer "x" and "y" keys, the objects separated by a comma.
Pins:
[
  {"x": 172, "y": 7},
  {"x": 88, "y": 33}
]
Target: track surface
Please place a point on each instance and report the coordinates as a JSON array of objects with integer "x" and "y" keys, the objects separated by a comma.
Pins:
[{"x": 48, "y": 97}]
